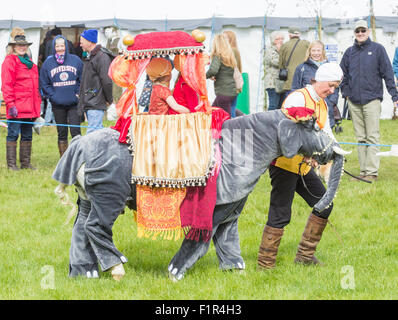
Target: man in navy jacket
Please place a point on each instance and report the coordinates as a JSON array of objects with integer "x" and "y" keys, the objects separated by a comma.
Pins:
[
  {"x": 365, "y": 65},
  {"x": 395, "y": 63}
]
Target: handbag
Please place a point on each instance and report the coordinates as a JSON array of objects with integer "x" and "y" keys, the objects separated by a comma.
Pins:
[
  {"x": 238, "y": 80},
  {"x": 284, "y": 72},
  {"x": 145, "y": 97}
]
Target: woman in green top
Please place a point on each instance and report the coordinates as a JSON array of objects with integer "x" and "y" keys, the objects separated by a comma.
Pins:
[{"x": 221, "y": 70}]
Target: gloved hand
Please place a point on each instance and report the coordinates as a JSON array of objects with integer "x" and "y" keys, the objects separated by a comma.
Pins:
[{"x": 13, "y": 112}]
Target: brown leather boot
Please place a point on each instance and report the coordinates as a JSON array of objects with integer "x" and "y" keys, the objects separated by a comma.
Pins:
[
  {"x": 269, "y": 247},
  {"x": 62, "y": 146},
  {"x": 25, "y": 151},
  {"x": 311, "y": 236},
  {"x": 11, "y": 155}
]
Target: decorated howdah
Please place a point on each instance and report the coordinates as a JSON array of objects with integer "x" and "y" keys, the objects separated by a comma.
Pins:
[{"x": 176, "y": 158}]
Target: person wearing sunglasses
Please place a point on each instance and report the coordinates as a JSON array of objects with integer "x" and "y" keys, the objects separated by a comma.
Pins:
[{"x": 365, "y": 65}]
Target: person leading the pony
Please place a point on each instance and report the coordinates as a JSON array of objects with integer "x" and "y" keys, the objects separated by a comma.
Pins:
[{"x": 291, "y": 175}]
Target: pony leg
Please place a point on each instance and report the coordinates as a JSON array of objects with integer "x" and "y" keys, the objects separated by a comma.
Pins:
[
  {"x": 106, "y": 205},
  {"x": 226, "y": 238},
  {"x": 82, "y": 259},
  {"x": 228, "y": 251}
]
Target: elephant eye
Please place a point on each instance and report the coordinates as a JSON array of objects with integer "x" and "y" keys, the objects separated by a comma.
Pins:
[{"x": 316, "y": 127}]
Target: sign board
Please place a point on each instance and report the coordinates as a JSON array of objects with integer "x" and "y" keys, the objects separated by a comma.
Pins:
[{"x": 332, "y": 52}]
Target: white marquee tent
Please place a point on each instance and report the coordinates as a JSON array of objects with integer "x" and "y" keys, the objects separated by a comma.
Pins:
[{"x": 252, "y": 23}]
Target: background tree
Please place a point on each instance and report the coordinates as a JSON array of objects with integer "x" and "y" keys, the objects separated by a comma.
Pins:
[{"x": 316, "y": 8}]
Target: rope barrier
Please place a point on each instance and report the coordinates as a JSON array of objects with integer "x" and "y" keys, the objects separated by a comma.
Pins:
[
  {"x": 366, "y": 144},
  {"x": 76, "y": 126},
  {"x": 48, "y": 124}
]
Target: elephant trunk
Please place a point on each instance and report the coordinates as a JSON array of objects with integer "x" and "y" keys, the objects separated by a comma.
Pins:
[{"x": 334, "y": 180}]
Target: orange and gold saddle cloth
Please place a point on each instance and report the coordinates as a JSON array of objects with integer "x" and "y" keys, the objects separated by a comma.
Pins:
[{"x": 173, "y": 154}]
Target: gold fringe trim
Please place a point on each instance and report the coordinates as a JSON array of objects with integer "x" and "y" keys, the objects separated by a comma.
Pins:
[{"x": 168, "y": 234}]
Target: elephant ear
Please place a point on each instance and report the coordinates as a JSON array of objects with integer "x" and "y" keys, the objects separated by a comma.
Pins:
[{"x": 289, "y": 137}]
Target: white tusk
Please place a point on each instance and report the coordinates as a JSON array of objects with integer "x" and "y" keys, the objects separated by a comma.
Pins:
[{"x": 340, "y": 151}]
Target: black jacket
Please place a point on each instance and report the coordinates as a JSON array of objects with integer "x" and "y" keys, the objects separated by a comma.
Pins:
[
  {"x": 96, "y": 86},
  {"x": 303, "y": 75},
  {"x": 364, "y": 67}
]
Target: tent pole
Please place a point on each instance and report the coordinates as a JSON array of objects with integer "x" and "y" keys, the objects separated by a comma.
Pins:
[
  {"x": 212, "y": 31},
  {"x": 262, "y": 68}
]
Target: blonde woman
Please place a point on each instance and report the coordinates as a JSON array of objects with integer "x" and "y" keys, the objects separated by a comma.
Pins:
[
  {"x": 305, "y": 73},
  {"x": 221, "y": 70},
  {"x": 231, "y": 37}
]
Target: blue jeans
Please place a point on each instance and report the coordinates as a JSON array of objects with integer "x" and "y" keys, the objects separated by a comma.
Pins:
[
  {"x": 94, "y": 119},
  {"x": 233, "y": 107},
  {"x": 14, "y": 129},
  {"x": 273, "y": 99}
]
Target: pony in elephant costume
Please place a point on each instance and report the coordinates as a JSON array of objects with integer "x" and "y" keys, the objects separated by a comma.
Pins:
[{"x": 100, "y": 167}]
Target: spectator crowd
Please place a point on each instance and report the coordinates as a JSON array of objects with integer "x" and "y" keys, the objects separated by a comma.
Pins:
[{"x": 70, "y": 83}]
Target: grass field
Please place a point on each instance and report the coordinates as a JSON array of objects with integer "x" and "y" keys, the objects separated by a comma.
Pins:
[{"x": 361, "y": 259}]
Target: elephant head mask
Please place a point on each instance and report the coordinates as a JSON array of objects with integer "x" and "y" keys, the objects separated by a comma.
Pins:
[
  {"x": 271, "y": 135},
  {"x": 306, "y": 138}
]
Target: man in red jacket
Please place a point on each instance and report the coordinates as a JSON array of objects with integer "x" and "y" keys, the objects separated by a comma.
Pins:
[{"x": 20, "y": 87}]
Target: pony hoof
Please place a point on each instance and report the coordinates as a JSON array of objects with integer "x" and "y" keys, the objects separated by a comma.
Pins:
[
  {"x": 118, "y": 272},
  {"x": 174, "y": 278}
]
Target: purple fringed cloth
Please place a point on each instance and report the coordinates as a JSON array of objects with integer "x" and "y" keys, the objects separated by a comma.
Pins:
[{"x": 196, "y": 210}]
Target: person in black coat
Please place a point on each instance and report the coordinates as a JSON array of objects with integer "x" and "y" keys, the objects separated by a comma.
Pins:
[
  {"x": 305, "y": 73},
  {"x": 96, "y": 86}
]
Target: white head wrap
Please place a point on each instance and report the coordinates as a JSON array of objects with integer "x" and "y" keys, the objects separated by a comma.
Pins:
[{"x": 329, "y": 72}]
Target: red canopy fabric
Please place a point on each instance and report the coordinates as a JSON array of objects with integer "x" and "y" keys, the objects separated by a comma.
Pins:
[{"x": 170, "y": 40}]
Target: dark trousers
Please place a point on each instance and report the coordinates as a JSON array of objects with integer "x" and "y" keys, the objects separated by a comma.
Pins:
[
  {"x": 66, "y": 115},
  {"x": 273, "y": 99},
  {"x": 283, "y": 96},
  {"x": 284, "y": 185},
  {"x": 224, "y": 102},
  {"x": 25, "y": 129}
]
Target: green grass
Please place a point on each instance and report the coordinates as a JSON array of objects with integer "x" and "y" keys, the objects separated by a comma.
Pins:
[{"x": 34, "y": 244}]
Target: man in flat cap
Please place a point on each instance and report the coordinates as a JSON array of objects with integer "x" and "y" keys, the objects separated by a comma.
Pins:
[
  {"x": 291, "y": 54},
  {"x": 365, "y": 65}
]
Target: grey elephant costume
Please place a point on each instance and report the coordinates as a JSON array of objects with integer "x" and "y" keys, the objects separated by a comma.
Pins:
[
  {"x": 107, "y": 171},
  {"x": 262, "y": 137}
]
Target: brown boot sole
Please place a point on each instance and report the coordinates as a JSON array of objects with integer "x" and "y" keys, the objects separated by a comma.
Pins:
[{"x": 314, "y": 261}]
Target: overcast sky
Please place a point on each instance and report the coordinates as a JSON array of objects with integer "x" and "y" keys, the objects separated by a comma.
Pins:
[{"x": 52, "y": 10}]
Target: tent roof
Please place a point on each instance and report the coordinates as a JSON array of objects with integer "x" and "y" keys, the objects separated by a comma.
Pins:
[{"x": 330, "y": 25}]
